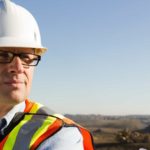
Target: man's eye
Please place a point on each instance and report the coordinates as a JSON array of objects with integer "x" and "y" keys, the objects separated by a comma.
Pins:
[
  {"x": 4, "y": 55},
  {"x": 25, "y": 57}
]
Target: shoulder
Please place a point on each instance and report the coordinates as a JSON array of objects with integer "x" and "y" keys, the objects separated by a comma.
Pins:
[
  {"x": 59, "y": 130},
  {"x": 68, "y": 137}
]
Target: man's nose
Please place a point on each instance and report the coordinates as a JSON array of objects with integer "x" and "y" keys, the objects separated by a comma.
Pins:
[{"x": 16, "y": 65}]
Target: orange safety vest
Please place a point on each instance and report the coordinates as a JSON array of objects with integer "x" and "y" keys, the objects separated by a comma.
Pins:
[{"x": 29, "y": 129}]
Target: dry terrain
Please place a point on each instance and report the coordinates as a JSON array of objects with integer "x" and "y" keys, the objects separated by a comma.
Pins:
[{"x": 117, "y": 132}]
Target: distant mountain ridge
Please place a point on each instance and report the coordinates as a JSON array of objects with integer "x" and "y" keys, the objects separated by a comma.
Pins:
[{"x": 135, "y": 122}]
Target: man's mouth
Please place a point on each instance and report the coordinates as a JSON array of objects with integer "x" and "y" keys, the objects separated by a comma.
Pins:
[{"x": 14, "y": 83}]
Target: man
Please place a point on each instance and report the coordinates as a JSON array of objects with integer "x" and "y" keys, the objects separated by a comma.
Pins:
[{"x": 24, "y": 124}]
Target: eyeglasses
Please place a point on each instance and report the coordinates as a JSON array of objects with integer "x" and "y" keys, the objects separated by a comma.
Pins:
[{"x": 26, "y": 58}]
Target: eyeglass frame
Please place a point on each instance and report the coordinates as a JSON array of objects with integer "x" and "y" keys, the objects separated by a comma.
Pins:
[{"x": 19, "y": 55}]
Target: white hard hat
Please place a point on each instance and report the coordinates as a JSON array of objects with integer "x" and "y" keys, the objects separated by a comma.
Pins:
[{"x": 18, "y": 28}]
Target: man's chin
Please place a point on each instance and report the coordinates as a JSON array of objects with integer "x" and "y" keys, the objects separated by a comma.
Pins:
[{"x": 15, "y": 98}]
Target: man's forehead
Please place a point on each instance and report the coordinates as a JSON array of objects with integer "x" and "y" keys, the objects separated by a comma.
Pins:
[{"x": 18, "y": 49}]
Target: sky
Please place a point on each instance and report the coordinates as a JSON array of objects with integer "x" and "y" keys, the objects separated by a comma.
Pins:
[{"x": 98, "y": 57}]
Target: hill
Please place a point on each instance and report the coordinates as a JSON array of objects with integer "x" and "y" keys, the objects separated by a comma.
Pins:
[{"x": 117, "y": 132}]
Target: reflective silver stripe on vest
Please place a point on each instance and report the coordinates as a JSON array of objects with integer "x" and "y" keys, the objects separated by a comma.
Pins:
[
  {"x": 28, "y": 130},
  {"x": 46, "y": 111}
]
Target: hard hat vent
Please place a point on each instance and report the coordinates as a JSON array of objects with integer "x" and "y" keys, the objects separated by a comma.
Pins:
[{"x": 35, "y": 37}]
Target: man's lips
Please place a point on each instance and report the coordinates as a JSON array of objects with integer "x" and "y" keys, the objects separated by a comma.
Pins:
[{"x": 11, "y": 82}]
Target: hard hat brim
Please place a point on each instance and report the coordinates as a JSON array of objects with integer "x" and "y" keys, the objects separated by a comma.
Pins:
[{"x": 22, "y": 43}]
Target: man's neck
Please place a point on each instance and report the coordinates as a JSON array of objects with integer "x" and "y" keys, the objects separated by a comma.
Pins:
[{"x": 4, "y": 109}]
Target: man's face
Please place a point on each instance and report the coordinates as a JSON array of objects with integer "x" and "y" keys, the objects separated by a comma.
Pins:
[{"x": 15, "y": 78}]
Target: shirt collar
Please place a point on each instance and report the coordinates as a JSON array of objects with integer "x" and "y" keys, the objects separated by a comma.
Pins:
[{"x": 17, "y": 108}]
